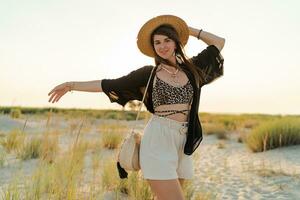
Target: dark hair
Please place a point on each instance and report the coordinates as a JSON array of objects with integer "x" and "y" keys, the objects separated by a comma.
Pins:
[{"x": 171, "y": 33}]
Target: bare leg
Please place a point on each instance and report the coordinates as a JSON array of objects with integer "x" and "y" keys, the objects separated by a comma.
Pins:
[
  {"x": 181, "y": 181},
  {"x": 166, "y": 189}
]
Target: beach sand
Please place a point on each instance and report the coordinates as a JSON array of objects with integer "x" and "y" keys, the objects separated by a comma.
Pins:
[{"x": 225, "y": 169}]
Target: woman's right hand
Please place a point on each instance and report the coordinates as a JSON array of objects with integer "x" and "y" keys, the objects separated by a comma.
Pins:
[{"x": 57, "y": 92}]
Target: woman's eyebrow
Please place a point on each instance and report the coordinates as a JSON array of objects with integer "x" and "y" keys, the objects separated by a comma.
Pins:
[{"x": 157, "y": 40}]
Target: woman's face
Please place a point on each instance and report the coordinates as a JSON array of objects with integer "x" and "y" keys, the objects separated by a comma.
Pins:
[{"x": 164, "y": 46}]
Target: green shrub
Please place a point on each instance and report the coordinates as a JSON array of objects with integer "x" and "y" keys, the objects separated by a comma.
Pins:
[{"x": 278, "y": 133}]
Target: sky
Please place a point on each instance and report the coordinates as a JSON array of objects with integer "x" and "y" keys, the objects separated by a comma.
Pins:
[{"x": 45, "y": 43}]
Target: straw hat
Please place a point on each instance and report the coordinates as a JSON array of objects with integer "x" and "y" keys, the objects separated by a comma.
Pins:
[{"x": 144, "y": 35}]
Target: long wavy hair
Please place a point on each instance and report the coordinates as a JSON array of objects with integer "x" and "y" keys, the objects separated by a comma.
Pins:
[{"x": 171, "y": 33}]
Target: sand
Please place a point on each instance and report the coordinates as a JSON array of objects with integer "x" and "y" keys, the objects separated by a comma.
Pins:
[{"x": 231, "y": 172}]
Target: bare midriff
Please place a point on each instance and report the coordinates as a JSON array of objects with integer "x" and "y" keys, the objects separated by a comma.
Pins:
[{"x": 180, "y": 117}]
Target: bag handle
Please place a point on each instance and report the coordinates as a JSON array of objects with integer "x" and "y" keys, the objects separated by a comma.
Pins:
[{"x": 138, "y": 114}]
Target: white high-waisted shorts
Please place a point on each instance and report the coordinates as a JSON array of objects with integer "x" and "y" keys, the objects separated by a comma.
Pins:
[{"x": 161, "y": 150}]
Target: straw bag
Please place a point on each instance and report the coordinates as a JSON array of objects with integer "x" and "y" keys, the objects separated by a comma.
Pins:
[{"x": 128, "y": 158}]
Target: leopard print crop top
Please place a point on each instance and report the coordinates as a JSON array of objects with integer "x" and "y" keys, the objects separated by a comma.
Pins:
[{"x": 164, "y": 93}]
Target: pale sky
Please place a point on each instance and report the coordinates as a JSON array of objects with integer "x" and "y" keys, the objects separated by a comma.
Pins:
[{"x": 45, "y": 43}]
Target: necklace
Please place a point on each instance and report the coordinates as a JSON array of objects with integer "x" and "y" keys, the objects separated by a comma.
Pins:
[{"x": 173, "y": 75}]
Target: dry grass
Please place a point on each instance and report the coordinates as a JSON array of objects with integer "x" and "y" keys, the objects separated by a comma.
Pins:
[
  {"x": 135, "y": 187},
  {"x": 13, "y": 141},
  {"x": 2, "y": 157},
  {"x": 191, "y": 193},
  {"x": 278, "y": 133},
  {"x": 215, "y": 129},
  {"x": 112, "y": 135},
  {"x": 61, "y": 175},
  {"x": 15, "y": 113},
  {"x": 221, "y": 144},
  {"x": 49, "y": 148},
  {"x": 30, "y": 149},
  {"x": 61, "y": 179}
]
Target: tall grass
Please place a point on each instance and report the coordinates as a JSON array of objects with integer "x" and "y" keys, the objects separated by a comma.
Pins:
[
  {"x": 13, "y": 141},
  {"x": 61, "y": 179},
  {"x": 49, "y": 148},
  {"x": 236, "y": 121},
  {"x": 274, "y": 134},
  {"x": 11, "y": 191},
  {"x": 112, "y": 135},
  {"x": 2, "y": 157},
  {"x": 135, "y": 186},
  {"x": 215, "y": 129},
  {"x": 190, "y": 192},
  {"x": 138, "y": 188},
  {"x": 30, "y": 149}
]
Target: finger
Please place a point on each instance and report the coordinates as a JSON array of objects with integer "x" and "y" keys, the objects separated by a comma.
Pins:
[
  {"x": 50, "y": 92},
  {"x": 60, "y": 97},
  {"x": 54, "y": 99},
  {"x": 51, "y": 97}
]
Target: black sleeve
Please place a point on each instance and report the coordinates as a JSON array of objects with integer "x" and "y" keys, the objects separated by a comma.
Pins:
[
  {"x": 126, "y": 88},
  {"x": 210, "y": 61}
]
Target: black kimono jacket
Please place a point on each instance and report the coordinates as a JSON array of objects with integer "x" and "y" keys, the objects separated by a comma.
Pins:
[{"x": 132, "y": 87}]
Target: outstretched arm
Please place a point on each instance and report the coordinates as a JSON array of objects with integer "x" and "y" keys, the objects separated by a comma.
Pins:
[
  {"x": 208, "y": 38},
  {"x": 86, "y": 86}
]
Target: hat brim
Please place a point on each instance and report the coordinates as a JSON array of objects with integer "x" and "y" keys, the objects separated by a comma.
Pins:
[{"x": 144, "y": 35}]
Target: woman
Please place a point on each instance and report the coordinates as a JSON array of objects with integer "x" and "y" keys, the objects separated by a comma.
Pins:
[{"x": 174, "y": 131}]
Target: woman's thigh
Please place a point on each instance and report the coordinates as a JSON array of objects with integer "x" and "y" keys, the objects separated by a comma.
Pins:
[{"x": 166, "y": 189}]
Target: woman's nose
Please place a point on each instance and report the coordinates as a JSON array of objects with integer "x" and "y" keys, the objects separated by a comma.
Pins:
[{"x": 163, "y": 46}]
